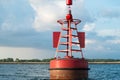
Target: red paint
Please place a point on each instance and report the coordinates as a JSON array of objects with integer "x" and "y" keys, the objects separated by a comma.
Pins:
[
  {"x": 69, "y": 17},
  {"x": 68, "y": 63},
  {"x": 68, "y": 75},
  {"x": 81, "y": 36},
  {"x": 69, "y": 68},
  {"x": 56, "y": 36},
  {"x": 68, "y": 2},
  {"x": 65, "y": 69}
]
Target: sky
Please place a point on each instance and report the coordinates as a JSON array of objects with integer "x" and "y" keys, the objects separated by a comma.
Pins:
[{"x": 26, "y": 27}]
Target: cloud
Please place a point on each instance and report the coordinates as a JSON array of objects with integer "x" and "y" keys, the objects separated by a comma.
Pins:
[
  {"x": 111, "y": 13},
  {"x": 102, "y": 49},
  {"x": 109, "y": 32},
  {"x": 48, "y": 12},
  {"x": 115, "y": 41},
  {"x": 26, "y": 39},
  {"x": 89, "y": 27},
  {"x": 16, "y": 15},
  {"x": 20, "y": 18},
  {"x": 88, "y": 41},
  {"x": 26, "y": 27},
  {"x": 106, "y": 39},
  {"x": 25, "y": 53},
  {"x": 16, "y": 19}
]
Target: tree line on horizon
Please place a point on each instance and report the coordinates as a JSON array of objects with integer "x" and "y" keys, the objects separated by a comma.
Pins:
[
  {"x": 48, "y": 60},
  {"x": 24, "y": 60}
]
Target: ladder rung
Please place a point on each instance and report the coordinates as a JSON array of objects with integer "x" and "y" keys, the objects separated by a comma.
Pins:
[
  {"x": 74, "y": 28},
  {"x": 64, "y": 36},
  {"x": 62, "y": 50},
  {"x": 63, "y": 43},
  {"x": 65, "y": 29},
  {"x": 75, "y": 43},
  {"x": 75, "y": 36},
  {"x": 75, "y": 50}
]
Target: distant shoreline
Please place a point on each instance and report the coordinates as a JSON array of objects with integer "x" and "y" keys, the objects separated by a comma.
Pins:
[
  {"x": 48, "y": 62},
  {"x": 104, "y": 62},
  {"x": 24, "y": 62}
]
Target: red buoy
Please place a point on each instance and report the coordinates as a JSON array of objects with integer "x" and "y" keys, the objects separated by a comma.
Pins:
[
  {"x": 69, "y": 41},
  {"x": 69, "y": 68},
  {"x": 68, "y": 2}
]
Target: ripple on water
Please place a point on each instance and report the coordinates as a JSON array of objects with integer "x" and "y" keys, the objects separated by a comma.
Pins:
[{"x": 41, "y": 72}]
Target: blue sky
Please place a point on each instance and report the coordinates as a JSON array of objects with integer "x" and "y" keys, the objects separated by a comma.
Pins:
[{"x": 26, "y": 27}]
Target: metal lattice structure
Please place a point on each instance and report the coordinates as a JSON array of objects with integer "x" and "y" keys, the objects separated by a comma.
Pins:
[{"x": 69, "y": 27}]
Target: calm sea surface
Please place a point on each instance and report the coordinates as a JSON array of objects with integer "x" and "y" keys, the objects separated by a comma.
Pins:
[{"x": 41, "y": 72}]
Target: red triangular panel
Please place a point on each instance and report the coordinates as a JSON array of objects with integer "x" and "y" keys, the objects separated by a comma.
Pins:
[
  {"x": 56, "y": 37},
  {"x": 81, "y": 37}
]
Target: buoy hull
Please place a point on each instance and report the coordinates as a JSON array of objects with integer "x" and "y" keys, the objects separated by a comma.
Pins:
[
  {"x": 69, "y": 74},
  {"x": 76, "y": 69}
]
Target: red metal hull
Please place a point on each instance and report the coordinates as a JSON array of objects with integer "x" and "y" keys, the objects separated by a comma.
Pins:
[{"x": 69, "y": 68}]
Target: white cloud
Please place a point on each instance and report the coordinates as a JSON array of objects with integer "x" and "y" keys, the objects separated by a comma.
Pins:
[
  {"x": 111, "y": 13},
  {"x": 116, "y": 41},
  {"x": 89, "y": 27},
  {"x": 88, "y": 41},
  {"x": 24, "y": 53},
  {"x": 94, "y": 45},
  {"x": 109, "y": 32},
  {"x": 48, "y": 12},
  {"x": 16, "y": 15},
  {"x": 99, "y": 48},
  {"x": 8, "y": 24}
]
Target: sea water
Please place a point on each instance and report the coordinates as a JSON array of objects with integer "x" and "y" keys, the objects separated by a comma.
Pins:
[{"x": 41, "y": 72}]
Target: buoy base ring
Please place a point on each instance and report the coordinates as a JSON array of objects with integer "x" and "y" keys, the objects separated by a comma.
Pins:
[{"x": 69, "y": 68}]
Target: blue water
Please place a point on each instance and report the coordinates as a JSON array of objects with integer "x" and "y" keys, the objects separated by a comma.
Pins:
[
  {"x": 41, "y": 72},
  {"x": 104, "y": 72}
]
